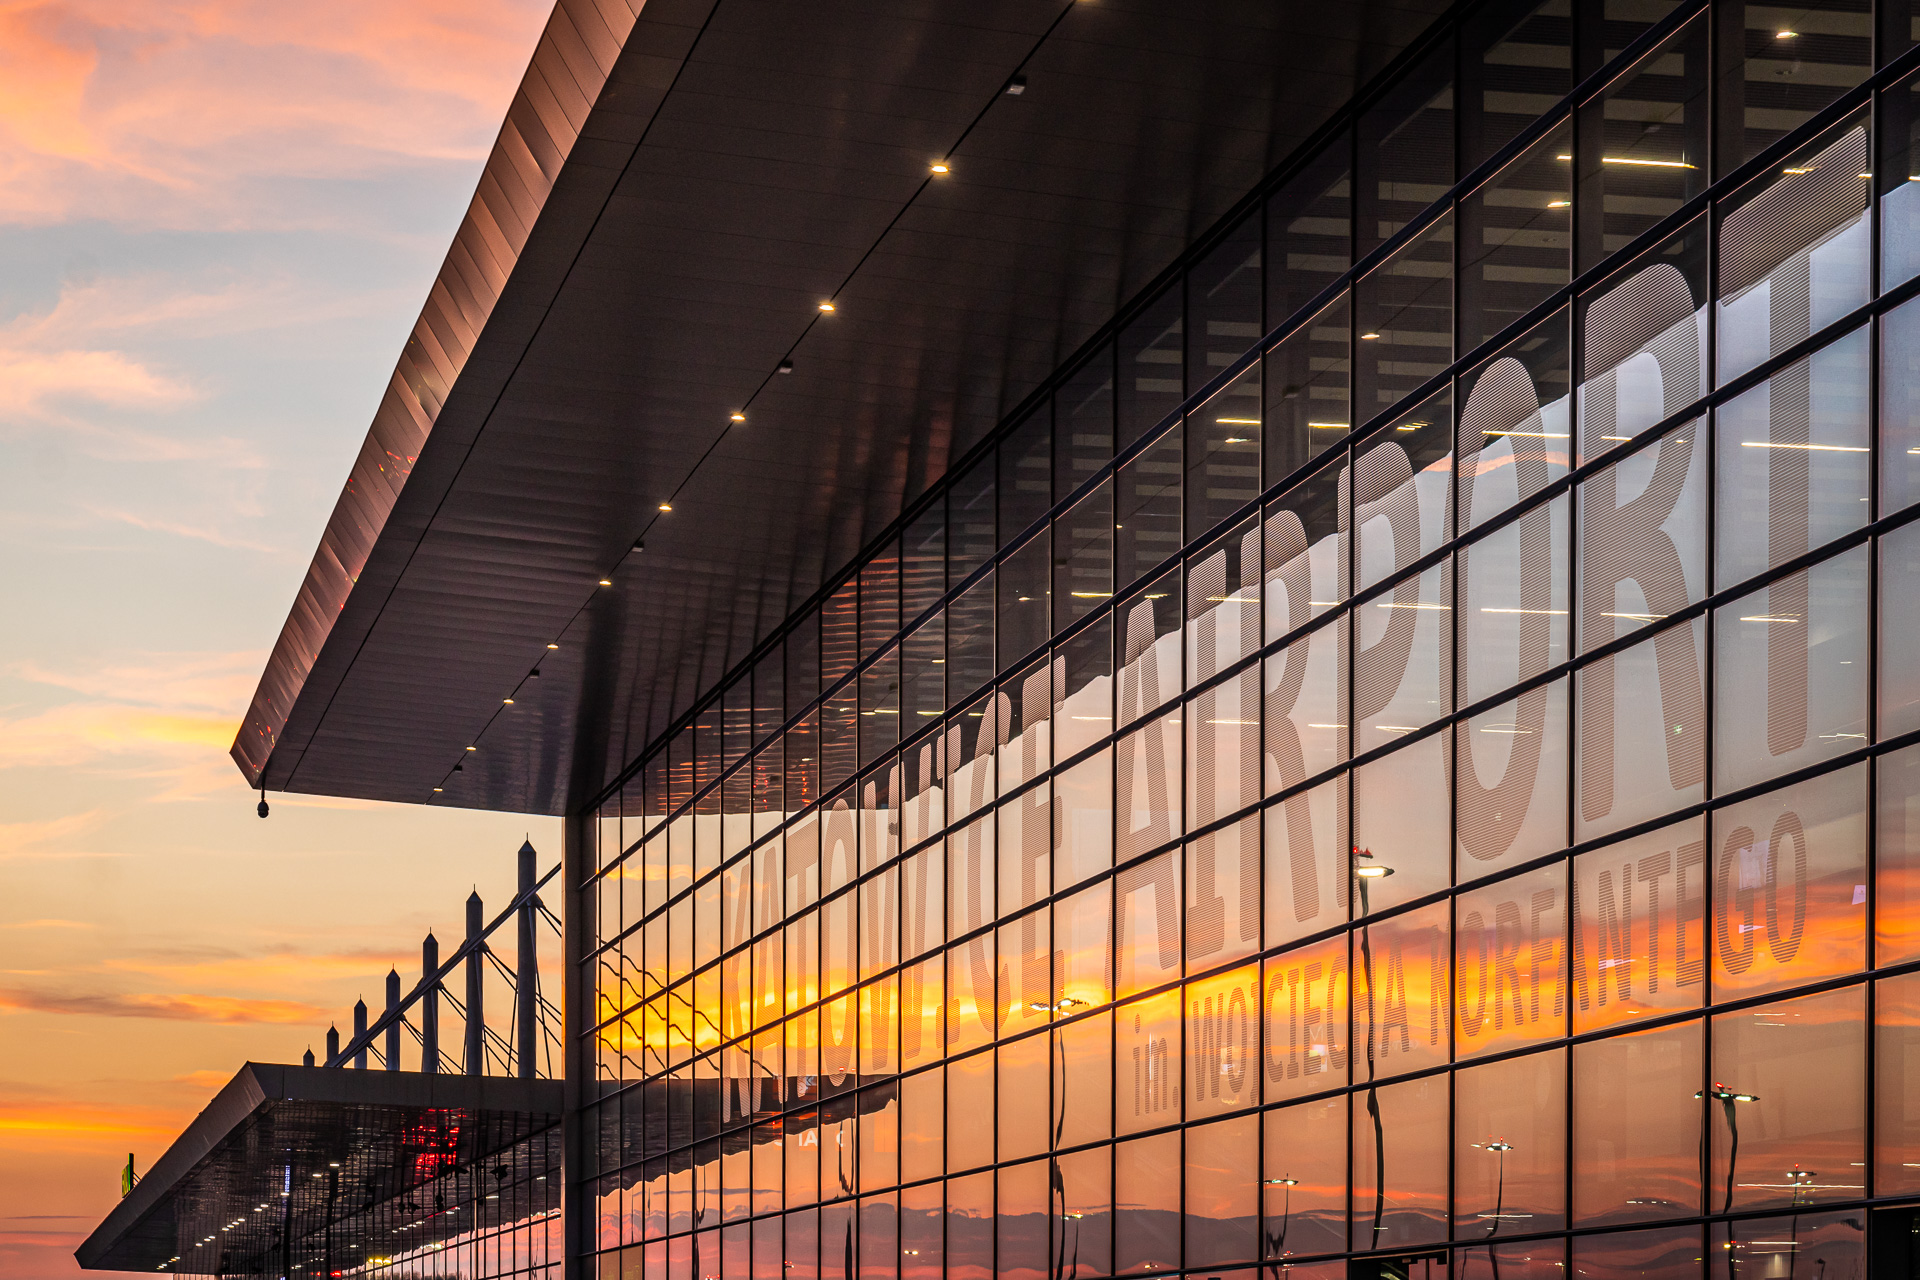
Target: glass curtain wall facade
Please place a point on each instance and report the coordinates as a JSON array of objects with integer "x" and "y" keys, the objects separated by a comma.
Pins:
[{"x": 1410, "y": 748}]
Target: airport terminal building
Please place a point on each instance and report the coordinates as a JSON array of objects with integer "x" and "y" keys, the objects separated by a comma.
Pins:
[{"x": 1173, "y": 639}]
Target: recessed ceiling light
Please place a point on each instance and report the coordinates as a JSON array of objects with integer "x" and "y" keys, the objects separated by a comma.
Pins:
[
  {"x": 553, "y": 646},
  {"x": 1368, "y": 337},
  {"x": 941, "y": 166},
  {"x": 785, "y": 366},
  {"x": 1785, "y": 35},
  {"x": 606, "y": 582},
  {"x": 826, "y": 306},
  {"x": 439, "y": 788},
  {"x": 507, "y": 702},
  {"x": 739, "y": 417},
  {"x": 1016, "y": 86}
]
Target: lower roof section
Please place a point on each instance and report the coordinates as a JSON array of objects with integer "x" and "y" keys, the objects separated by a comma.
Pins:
[
  {"x": 743, "y": 162},
  {"x": 306, "y": 1170}
]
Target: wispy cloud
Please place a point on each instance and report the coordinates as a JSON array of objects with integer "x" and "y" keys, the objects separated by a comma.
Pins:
[
  {"x": 174, "y": 1008},
  {"x": 164, "y": 112},
  {"x": 216, "y": 681}
]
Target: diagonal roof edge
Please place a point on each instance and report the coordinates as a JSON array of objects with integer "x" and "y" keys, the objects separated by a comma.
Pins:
[{"x": 571, "y": 65}]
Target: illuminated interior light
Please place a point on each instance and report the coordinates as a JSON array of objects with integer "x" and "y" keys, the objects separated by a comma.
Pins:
[
  {"x": 1230, "y": 722},
  {"x": 1368, "y": 337},
  {"x": 1550, "y": 611},
  {"x": 941, "y": 166},
  {"x": 473, "y": 748},
  {"x": 1236, "y": 440},
  {"x": 1788, "y": 444},
  {"x": 507, "y": 702},
  {"x": 1091, "y": 595},
  {"x": 1392, "y": 604},
  {"x": 1785, "y": 35},
  {"x": 1373, "y": 873},
  {"x": 1238, "y": 422},
  {"x": 439, "y": 788},
  {"x": 1764, "y": 617},
  {"x": 1538, "y": 435},
  {"x": 737, "y": 417},
  {"x": 553, "y": 646},
  {"x": 1558, "y": 204},
  {"x": 1328, "y": 426},
  {"x": 1397, "y": 728},
  {"x": 1637, "y": 617},
  {"x": 826, "y": 307},
  {"x": 1323, "y": 604},
  {"x": 666, "y": 506},
  {"x": 1647, "y": 164},
  {"x": 1616, "y": 437},
  {"x": 1326, "y": 726},
  {"x": 606, "y": 582}
]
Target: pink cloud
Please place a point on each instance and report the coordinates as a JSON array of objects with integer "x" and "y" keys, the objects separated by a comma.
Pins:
[{"x": 160, "y": 112}]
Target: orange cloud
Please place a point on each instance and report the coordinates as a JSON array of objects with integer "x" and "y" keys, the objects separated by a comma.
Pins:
[
  {"x": 172, "y": 1008},
  {"x": 162, "y": 111},
  {"x": 81, "y": 732}
]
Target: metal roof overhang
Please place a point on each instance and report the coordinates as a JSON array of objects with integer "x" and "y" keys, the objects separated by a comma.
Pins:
[
  {"x": 347, "y": 1148},
  {"x": 672, "y": 195}
]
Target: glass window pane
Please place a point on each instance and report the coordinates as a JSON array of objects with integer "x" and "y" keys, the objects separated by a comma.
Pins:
[
  {"x": 1405, "y": 320},
  {"x": 1636, "y": 1126},
  {"x": 1400, "y": 824},
  {"x": 1146, "y": 1204},
  {"x": 1510, "y": 962},
  {"x": 1223, "y": 1038},
  {"x": 1510, "y": 1147},
  {"x": 1517, "y": 63},
  {"x": 1900, "y": 407},
  {"x": 1224, "y": 303},
  {"x": 1309, "y": 231},
  {"x": 1152, "y": 357},
  {"x": 1669, "y": 1253},
  {"x": 1303, "y": 1196},
  {"x": 1025, "y": 581},
  {"x": 1899, "y": 179},
  {"x": 1402, "y": 493},
  {"x": 1640, "y": 731},
  {"x": 1639, "y": 946},
  {"x": 1896, "y": 899},
  {"x": 1511, "y": 803},
  {"x": 1400, "y": 1164},
  {"x": 1403, "y": 659},
  {"x": 1791, "y": 672},
  {"x": 1792, "y": 461},
  {"x": 1308, "y": 862},
  {"x": 1516, "y": 238},
  {"x": 1896, "y": 1118},
  {"x": 1147, "y": 1055},
  {"x": 1643, "y": 144},
  {"x": 1308, "y": 402},
  {"x": 1401, "y": 982},
  {"x": 1083, "y": 423},
  {"x": 1513, "y": 603},
  {"x": 1406, "y": 148},
  {"x": 1147, "y": 528},
  {"x": 1223, "y": 454},
  {"x": 1515, "y": 434},
  {"x": 1304, "y": 1016},
  {"x": 1641, "y": 335},
  {"x": 1643, "y": 537},
  {"x": 1222, "y": 1202},
  {"x": 1790, "y": 1085},
  {"x": 1778, "y": 68},
  {"x": 1083, "y": 557},
  {"x": 1793, "y": 249},
  {"x": 1026, "y": 474},
  {"x": 1790, "y": 892}
]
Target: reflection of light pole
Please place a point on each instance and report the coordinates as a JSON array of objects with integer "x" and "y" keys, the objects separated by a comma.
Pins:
[
  {"x": 1799, "y": 1180},
  {"x": 1364, "y": 874},
  {"x": 1286, "y": 1212},
  {"x": 1061, "y": 1267},
  {"x": 1727, "y": 1098},
  {"x": 1500, "y": 1146}
]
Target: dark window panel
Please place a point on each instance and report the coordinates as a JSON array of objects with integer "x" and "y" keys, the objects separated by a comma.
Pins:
[
  {"x": 1405, "y": 321},
  {"x": 1083, "y": 423},
  {"x": 1224, "y": 303},
  {"x": 971, "y": 538},
  {"x": 1309, "y": 403},
  {"x": 1516, "y": 239},
  {"x": 1151, "y": 358},
  {"x": 1223, "y": 454},
  {"x": 1778, "y": 67},
  {"x": 1309, "y": 231},
  {"x": 1406, "y": 149},
  {"x": 1026, "y": 475},
  {"x": 1146, "y": 517},
  {"x": 1083, "y": 557},
  {"x": 1516, "y": 64},
  {"x": 1026, "y": 585}
]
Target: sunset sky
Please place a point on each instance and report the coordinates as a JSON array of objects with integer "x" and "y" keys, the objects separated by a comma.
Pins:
[{"x": 218, "y": 220}]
